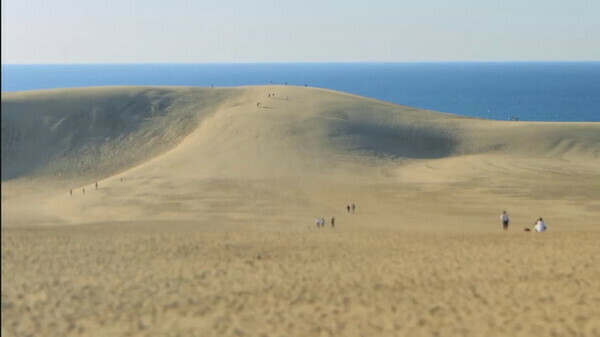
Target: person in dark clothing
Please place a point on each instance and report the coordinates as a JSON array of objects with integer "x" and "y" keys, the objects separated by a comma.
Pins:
[{"x": 505, "y": 220}]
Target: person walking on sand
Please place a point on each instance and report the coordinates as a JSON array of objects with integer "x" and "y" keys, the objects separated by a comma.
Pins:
[
  {"x": 318, "y": 222},
  {"x": 332, "y": 222},
  {"x": 84, "y": 191},
  {"x": 96, "y": 185},
  {"x": 71, "y": 192},
  {"x": 348, "y": 208},
  {"x": 353, "y": 207},
  {"x": 504, "y": 219},
  {"x": 540, "y": 226}
]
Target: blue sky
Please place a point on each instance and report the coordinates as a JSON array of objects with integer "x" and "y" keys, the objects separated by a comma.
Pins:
[{"x": 186, "y": 31}]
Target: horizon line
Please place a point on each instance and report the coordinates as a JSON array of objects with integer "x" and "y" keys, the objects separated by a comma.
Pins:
[{"x": 295, "y": 62}]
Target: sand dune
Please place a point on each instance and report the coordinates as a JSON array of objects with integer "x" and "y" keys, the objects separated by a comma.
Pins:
[
  {"x": 203, "y": 222},
  {"x": 95, "y": 133}
]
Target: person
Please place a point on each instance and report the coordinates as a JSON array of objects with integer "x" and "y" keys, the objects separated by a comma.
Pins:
[
  {"x": 332, "y": 222},
  {"x": 71, "y": 192},
  {"x": 96, "y": 185},
  {"x": 348, "y": 208},
  {"x": 353, "y": 207},
  {"x": 269, "y": 95},
  {"x": 504, "y": 219},
  {"x": 318, "y": 222},
  {"x": 84, "y": 191},
  {"x": 540, "y": 226}
]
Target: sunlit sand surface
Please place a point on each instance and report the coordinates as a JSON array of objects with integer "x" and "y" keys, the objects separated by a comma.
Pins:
[{"x": 203, "y": 222}]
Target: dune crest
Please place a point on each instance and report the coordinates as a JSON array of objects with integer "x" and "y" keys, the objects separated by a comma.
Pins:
[{"x": 92, "y": 133}]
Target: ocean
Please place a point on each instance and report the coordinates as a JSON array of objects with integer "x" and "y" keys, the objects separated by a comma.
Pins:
[{"x": 530, "y": 91}]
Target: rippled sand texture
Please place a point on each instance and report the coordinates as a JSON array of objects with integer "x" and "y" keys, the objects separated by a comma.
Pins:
[
  {"x": 143, "y": 280},
  {"x": 203, "y": 222}
]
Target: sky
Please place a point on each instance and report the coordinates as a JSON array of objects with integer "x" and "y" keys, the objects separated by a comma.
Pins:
[{"x": 242, "y": 31}]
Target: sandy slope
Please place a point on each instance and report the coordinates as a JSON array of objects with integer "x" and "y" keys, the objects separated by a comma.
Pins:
[{"x": 204, "y": 217}]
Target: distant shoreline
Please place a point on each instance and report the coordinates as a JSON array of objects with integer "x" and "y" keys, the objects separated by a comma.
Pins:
[
  {"x": 531, "y": 91},
  {"x": 301, "y": 62}
]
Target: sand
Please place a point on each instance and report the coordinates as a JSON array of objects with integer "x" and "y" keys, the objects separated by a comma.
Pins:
[{"x": 203, "y": 220}]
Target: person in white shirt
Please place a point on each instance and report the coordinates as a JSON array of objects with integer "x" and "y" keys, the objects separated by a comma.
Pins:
[
  {"x": 504, "y": 219},
  {"x": 540, "y": 226}
]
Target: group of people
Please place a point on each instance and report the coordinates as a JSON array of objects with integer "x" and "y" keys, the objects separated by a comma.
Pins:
[
  {"x": 273, "y": 95},
  {"x": 350, "y": 208},
  {"x": 83, "y": 190},
  {"x": 514, "y": 119},
  {"x": 538, "y": 225},
  {"x": 321, "y": 222}
]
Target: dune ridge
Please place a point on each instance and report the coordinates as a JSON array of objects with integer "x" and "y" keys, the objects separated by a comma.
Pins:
[{"x": 93, "y": 133}]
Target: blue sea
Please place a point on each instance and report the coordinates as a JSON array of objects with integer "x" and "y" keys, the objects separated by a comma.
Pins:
[{"x": 530, "y": 91}]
